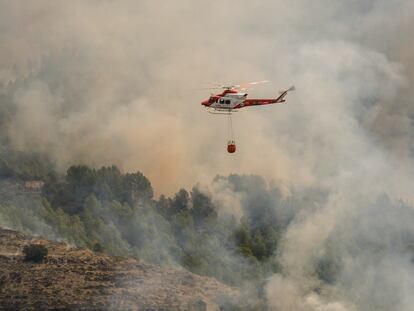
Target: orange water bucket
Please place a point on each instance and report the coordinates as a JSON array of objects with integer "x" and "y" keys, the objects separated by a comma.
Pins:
[{"x": 231, "y": 147}]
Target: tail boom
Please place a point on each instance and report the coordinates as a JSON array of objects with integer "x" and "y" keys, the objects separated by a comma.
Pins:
[{"x": 269, "y": 101}]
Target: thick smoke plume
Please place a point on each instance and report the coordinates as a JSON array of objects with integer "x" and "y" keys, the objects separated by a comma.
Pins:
[
  {"x": 102, "y": 82},
  {"x": 114, "y": 83}
]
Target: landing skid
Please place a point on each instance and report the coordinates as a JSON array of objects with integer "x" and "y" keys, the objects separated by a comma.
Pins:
[{"x": 221, "y": 111}]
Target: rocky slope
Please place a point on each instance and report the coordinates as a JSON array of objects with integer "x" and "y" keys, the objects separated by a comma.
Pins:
[{"x": 78, "y": 279}]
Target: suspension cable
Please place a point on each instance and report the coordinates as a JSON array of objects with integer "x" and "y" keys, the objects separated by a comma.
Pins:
[{"x": 230, "y": 128}]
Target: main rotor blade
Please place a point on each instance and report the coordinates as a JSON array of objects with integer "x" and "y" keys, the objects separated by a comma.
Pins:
[
  {"x": 247, "y": 84},
  {"x": 243, "y": 86},
  {"x": 210, "y": 88}
]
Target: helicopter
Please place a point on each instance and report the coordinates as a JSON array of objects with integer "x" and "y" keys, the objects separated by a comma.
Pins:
[{"x": 233, "y": 98}]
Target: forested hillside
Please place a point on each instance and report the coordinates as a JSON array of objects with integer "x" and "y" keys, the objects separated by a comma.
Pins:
[
  {"x": 113, "y": 212},
  {"x": 108, "y": 211}
]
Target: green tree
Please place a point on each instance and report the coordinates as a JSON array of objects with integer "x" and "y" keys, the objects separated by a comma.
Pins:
[
  {"x": 181, "y": 202},
  {"x": 136, "y": 187},
  {"x": 108, "y": 184},
  {"x": 258, "y": 246},
  {"x": 202, "y": 208}
]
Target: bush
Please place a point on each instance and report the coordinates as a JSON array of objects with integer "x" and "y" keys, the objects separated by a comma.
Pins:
[
  {"x": 35, "y": 252},
  {"x": 98, "y": 248}
]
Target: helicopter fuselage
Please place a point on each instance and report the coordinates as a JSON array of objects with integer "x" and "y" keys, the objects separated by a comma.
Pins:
[{"x": 231, "y": 99}]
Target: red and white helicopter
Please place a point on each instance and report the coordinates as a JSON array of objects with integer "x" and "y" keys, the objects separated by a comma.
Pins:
[{"x": 234, "y": 97}]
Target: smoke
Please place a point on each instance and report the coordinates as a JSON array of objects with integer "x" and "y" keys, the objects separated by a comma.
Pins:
[
  {"x": 114, "y": 83},
  {"x": 224, "y": 197},
  {"x": 103, "y": 82}
]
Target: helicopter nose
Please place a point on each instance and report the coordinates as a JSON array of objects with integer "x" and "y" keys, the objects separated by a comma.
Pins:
[{"x": 205, "y": 103}]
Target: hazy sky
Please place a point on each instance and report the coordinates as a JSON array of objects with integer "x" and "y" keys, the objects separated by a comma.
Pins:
[{"x": 115, "y": 82}]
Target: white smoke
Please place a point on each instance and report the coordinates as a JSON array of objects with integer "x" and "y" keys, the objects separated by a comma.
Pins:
[{"x": 111, "y": 82}]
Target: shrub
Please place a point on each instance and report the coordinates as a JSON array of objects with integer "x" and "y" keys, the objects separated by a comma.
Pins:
[
  {"x": 98, "y": 248},
  {"x": 35, "y": 252}
]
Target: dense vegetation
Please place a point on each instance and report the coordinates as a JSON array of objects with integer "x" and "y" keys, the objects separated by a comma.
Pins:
[
  {"x": 114, "y": 212},
  {"x": 108, "y": 211}
]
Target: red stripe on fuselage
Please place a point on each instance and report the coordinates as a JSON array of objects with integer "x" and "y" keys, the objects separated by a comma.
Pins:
[{"x": 259, "y": 102}]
